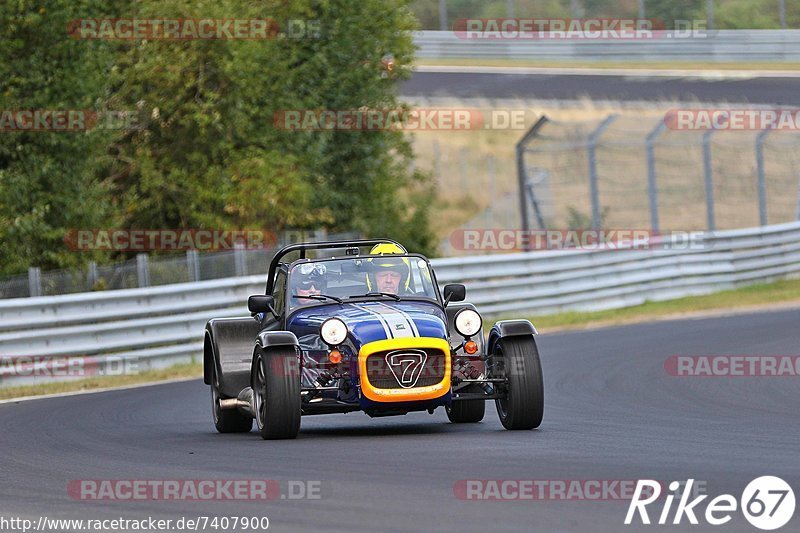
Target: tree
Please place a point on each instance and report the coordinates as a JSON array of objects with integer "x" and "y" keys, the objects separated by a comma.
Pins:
[
  {"x": 46, "y": 181},
  {"x": 207, "y": 153},
  {"x": 210, "y": 155}
]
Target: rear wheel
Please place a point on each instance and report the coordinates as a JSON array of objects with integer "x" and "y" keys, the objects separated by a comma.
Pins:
[
  {"x": 276, "y": 391},
  {"x": 227, "y": 421},
  {"x": 517, "y": 359},
  {"x": 467, "y": 411}
]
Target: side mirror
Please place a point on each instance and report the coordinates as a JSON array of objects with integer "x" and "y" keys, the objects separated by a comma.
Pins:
[
  {"x": 454, "y": 292},
  {"x": 261, "y": 303}
]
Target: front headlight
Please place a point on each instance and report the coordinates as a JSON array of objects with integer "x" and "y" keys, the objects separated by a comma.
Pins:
[
  {"x": 333, "y": 331},
  {"x": 468, "y": 322}
]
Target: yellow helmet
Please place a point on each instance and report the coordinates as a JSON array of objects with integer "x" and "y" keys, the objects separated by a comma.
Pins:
[
  {"x": 387, "y": 248},
  {"x": 400, "y": 264}
]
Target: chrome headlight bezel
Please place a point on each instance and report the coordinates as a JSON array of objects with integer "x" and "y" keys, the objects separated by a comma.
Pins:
[
  {"x": 333, "y": 331},
  {"x": 468, "y": 323}
]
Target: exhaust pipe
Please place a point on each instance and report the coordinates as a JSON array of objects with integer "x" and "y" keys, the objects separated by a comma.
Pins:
[{"x": 245, "y": 403}]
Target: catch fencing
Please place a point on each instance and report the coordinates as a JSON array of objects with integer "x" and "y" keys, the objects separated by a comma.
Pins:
[
  {"x": 145, "y": 270},
  {"x": 635, "y": 172},
  {"x": 628, "y": 171},
  {"x": 160, "y": 326}
]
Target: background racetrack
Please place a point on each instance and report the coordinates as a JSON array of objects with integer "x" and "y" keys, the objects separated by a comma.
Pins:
[
  {"x": 611, "y": 412},
  {"x": 758, "y": 90}
]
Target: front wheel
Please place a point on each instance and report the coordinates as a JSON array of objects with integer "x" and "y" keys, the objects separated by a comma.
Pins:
[
  {"x": 467, "y": 411},
  {"x": 517, "y": 359},
  {"x": 275, "y": 379}
]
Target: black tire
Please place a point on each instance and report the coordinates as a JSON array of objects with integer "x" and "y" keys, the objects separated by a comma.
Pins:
[
  {"x": 229, "y": 420},
  {"x": 518, "y": 359},
  {"x": 276, "y": 388},
  {"x": 467, "y": 411}
]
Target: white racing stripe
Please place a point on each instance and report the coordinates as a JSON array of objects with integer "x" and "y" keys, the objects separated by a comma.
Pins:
[
  {"x": 406, "y": 317},
  {"x": 397, "y": 323},
  {"x": 383, "y": 322}
]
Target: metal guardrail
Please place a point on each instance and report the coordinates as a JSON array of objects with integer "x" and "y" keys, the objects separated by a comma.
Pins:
[
  {"x": 717, "y": 45},
  {"x": 160, "y": 326},
  {"x": 147, "y": 328}
]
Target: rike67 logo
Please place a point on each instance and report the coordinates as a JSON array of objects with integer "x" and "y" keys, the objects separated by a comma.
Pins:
[{"x": 767, "y": 503}]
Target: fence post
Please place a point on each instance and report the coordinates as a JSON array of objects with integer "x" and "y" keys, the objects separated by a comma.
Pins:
[
  {"x": 709, "y": 180},
  {"x": 492, "y": 171},
  {"x": 463, "y": 153},
  {"x": 762, "y": 182},
  {"x": 34, "y": 281},
  {"x": 93, "y": 275},
  {"x": 797, "y": 215},
  {"x": 522, "y": 178},
  {"x": 782, "y": 13},
  {"x": 652, "y": 188},
  {"x": 437, "y": 163},
  {"x": 143, "y": 270},
  {"x": 193, "y": 265},
  {"x": 710, "y": 14},
  {"x": 239, "y": 259},
  {"x": 594, "y": 192}
]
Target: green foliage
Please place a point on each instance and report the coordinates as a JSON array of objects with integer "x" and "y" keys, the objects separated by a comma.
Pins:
[
  {"x": 46, "y": 186},
  {"x": 746, "y": 14},
  {"x": 363, "y": 177},
  {"x": 202, "y": 158},
  {"x": 207, "y": 154},
  {"x": 210, "y": 154}
]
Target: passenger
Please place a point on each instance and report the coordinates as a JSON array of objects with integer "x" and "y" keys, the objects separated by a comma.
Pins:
[{"x": 309, "y": 280}]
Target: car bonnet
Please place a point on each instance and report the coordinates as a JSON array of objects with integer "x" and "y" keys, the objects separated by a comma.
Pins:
[{"x": 373, "y": 321}]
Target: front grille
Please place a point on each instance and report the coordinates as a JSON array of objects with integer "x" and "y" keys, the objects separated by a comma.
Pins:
[{"x": 412, "y": 368}]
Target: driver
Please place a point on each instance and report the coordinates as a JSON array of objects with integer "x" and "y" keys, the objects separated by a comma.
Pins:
[
  {"x": 391, "y": 274},
  {"x": 309, "y": 280}
]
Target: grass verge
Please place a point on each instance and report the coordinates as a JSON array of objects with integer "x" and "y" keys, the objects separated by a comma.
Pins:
[
  {"x": 176, "y": 372},
  {"x": 754, "y": 297}
]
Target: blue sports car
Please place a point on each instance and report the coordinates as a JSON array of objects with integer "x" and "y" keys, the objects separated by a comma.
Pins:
[{"x": 340, "y": 330}]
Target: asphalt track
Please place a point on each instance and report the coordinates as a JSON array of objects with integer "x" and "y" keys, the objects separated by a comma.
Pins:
[
  {"x": 612, "y": 413},
  {"x": 782, "y": 91}
]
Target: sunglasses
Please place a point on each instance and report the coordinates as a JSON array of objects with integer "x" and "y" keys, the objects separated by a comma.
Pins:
[{"x": 316, "y": 283}]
